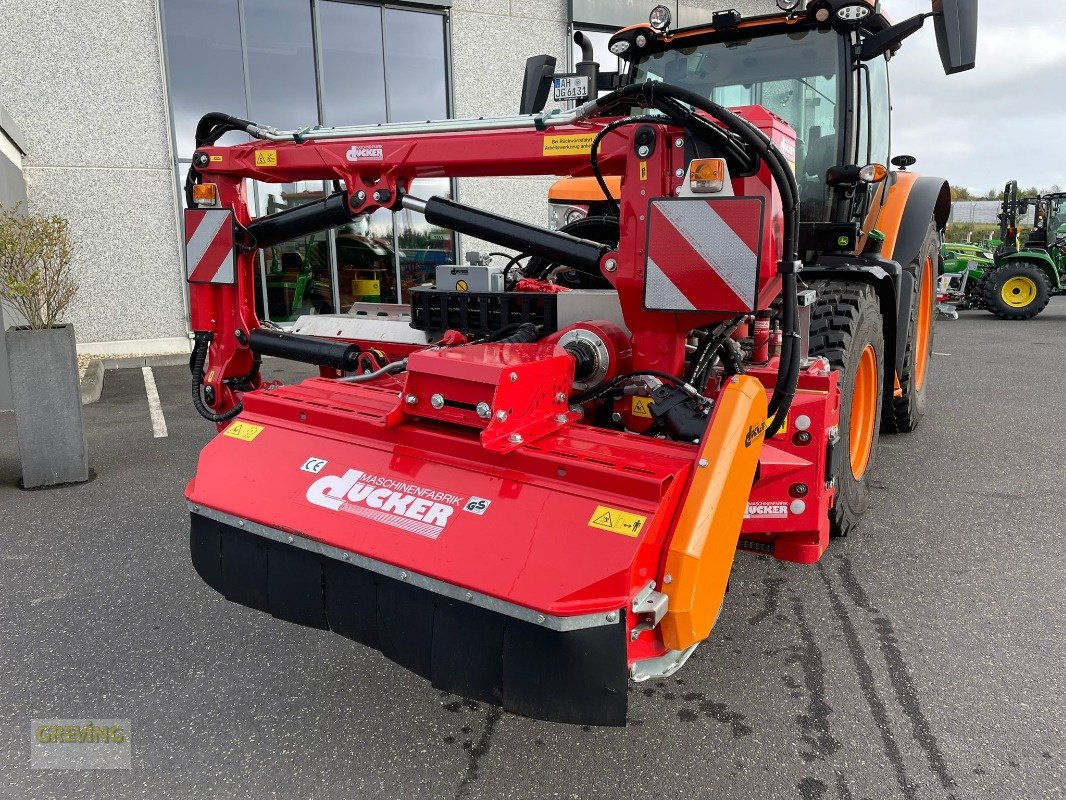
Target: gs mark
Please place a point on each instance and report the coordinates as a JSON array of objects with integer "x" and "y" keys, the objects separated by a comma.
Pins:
[{"x": 477, "y": 505}]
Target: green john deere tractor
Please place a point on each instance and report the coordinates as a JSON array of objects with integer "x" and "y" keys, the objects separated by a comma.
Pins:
[{"x": 1017, "y": 280}]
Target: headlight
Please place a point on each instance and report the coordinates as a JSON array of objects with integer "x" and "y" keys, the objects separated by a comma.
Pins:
[{"x": 561, "y": 214}]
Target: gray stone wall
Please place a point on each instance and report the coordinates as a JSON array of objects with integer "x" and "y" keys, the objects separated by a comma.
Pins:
[
  {"x": 84, "y": 82},
  {"x": 12, "y": 192},
  {"x": 491, "y": 40}
]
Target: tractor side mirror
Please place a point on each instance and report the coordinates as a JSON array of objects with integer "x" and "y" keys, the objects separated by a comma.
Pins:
[
  {"x": 537, "y": 83},
  {"x": 955, "y": 22}
]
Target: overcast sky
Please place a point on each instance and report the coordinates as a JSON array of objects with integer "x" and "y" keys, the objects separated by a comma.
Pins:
[{"x": 1004, "y": 119}]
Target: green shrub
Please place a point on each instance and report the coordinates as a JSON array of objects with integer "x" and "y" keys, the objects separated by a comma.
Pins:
[{"x": 35, "y": 274}]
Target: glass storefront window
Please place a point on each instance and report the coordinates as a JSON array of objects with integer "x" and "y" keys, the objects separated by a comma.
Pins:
[
  {"x": 414, "y": 60},
  {"x": 281, "y": 63},
  {"x": 353, "y": 64},
  {"x": 423, "y": 247},
  {"x": 298, "y": 276},
  {"x": 366, "y": 260},
  {"x": 205, "y": 65},
  {"x": 257, "y": 59}
]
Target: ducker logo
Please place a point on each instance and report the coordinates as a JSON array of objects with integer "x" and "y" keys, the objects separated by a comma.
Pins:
[
  {"x": 408, "y": 506},
  {"x": 365, "y": 152}
]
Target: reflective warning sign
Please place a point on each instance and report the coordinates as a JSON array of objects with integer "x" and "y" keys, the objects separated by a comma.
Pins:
[
  {"x": 617, "y": 521},
  {"x": 266, "y": 158}
]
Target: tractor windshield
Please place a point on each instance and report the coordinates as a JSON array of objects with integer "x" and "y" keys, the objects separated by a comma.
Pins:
[{"x": 794, "y": 75}]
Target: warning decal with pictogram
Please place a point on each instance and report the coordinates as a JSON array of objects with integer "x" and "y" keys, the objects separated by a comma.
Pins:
[{"x": 703, "y": 255}]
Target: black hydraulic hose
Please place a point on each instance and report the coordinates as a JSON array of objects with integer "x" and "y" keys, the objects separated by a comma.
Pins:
[
  {"x": 594, "y": 156},
  {"x": 550, "y": 245},
  {"x": 788, "y": 372},
  {"x": 524, "y": 333},
  {"x": 652, "y": 93},
  {"x": 199, "y": 359}
]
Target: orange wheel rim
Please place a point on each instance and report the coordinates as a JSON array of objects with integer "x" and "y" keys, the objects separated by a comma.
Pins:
[
  {"x": 923, "y": 335},
  {"x": 863, "y": 412}
]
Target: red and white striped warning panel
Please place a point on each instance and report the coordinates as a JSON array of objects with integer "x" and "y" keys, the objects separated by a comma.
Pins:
[
  {"x": 703, "y": 254},
  {"x": 210, "y": 252}
]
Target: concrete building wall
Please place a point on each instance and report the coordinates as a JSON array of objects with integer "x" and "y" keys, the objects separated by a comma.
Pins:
[
  {"x": 84, "y": 81},
  {"x": 12, "y": 192},
  {"x": 491, "y": 40}
]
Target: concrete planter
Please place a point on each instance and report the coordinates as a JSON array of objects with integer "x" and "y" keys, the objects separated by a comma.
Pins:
[{"x": 44, "y": 382}]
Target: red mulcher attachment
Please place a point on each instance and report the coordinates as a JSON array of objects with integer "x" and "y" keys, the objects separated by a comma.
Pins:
[{"x": 537, "y": 516}]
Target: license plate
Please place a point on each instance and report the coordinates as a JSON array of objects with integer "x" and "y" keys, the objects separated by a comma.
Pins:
[{"x": 575, "y": 88}]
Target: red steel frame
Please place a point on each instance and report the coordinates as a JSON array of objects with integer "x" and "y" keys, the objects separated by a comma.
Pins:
[{"x": 639, "y": 474}]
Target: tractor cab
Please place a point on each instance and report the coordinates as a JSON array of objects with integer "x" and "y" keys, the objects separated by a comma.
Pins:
[{"x": 820, "y": 67}]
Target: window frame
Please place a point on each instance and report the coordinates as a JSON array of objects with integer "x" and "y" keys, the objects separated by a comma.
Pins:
[{"x": 180, "y": 166}]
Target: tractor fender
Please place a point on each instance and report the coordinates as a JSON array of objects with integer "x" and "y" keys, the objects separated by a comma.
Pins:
[
  {"x": 1039, "y": 257},
  {"x": 887, "y": 280},
  {"x": 912, "y": 201}
]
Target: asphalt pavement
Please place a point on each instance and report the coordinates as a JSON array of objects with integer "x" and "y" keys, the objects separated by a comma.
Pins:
[{"x": 922, "y": 658}]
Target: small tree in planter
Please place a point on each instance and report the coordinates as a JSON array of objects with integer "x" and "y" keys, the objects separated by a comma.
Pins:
[{"x": 37, "y": 284}]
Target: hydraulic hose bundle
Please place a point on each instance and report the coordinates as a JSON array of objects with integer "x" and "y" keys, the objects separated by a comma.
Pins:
[{"x": 668, "y": 99}]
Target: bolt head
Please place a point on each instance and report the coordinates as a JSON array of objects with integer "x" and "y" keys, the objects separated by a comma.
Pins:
[
  {"x": 289, "y": 540},
  {"x": 680, "y": 173},
  {"x": 560, "y": 398},
  {"x": 679, "y": 142},
  {"x": 437, "y": 401},
  {"x": 668, "y": 578},
  {"x": 610, "y": 265},
  {"x": 540, "y": 618},
  {"x": 703, "y": 463},
  {"x": 469, "y": 595},
  {"x": 643, "y": 151},
  {"x": 515, "y": 438},
  {"x": 512, "y": 377},
  {"x": 562, "y": 419},
  {"x": 411, "y": 400},
  {"x": 612, "y": 617},
  {"x": 501, "y": 416},
  {"x": 344, "y": 556},
  {"x": 240, "y": 523},
  {"x": 616, "y": 417},
  {"x": 484, "y": 410},
  {"x": 403, "y": 575}
]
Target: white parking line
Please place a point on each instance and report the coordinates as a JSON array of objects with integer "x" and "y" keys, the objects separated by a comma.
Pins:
[{"x": 159, "y": 423}]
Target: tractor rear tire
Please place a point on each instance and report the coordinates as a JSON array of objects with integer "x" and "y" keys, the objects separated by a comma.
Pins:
[
  {"x": 1016, "y": 290},
  {"x": 907, "y": 408},
  {"x": 847, "y": 329}
]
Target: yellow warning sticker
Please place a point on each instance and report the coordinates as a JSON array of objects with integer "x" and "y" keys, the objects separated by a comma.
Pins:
[
  {"x": 642, "y": 407},
  {"x": 216, "y": 159},
  {"x": 784, "y": 425},
  {"x": 245, "y": 431},
  {"x": 617, "y": 521},
  {"x": 643, "y": 170},
  {"x": 574, "y": 144},
  {"x": 266, "y": 158}
]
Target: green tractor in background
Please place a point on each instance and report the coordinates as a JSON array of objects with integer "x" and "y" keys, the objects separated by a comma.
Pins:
[{"x": 1013, "y": 281}]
